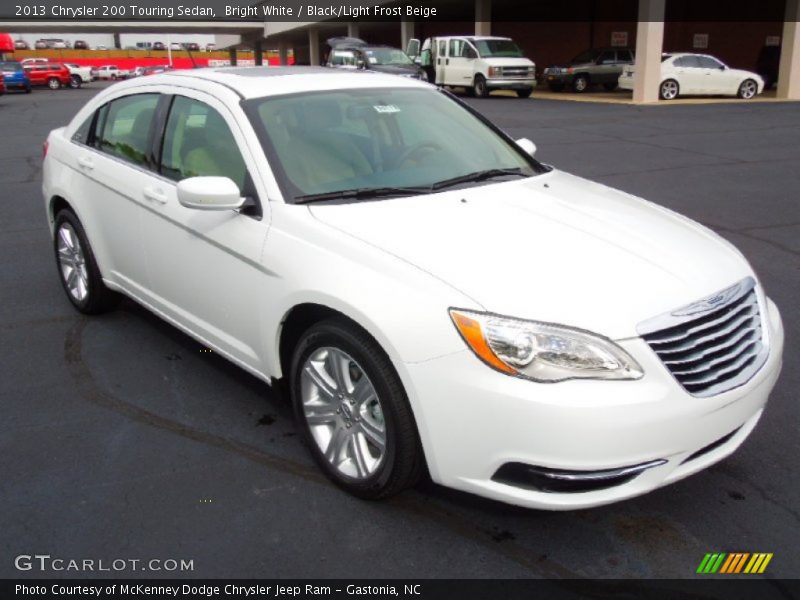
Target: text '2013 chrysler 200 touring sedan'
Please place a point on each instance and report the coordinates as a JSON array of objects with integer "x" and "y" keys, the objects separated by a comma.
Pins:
[{"x": 432, "y": 296}]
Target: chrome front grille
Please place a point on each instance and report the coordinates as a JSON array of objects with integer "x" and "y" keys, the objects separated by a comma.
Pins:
[
  {"x": 713, "y": 345},
  {"x": 518, "y": 72}
]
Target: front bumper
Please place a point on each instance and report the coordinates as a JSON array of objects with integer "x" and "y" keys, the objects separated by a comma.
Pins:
[
  {"x": 625, "y": 82},
  {"x": 558, "y": 78},
  {"x": 499, "y": 83},
  {"x": 474, "y": 420}
]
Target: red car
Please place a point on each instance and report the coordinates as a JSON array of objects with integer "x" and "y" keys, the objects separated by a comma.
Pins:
[
  {"x": 2, "y": 84},
  {"x": 53, "y": 75}
]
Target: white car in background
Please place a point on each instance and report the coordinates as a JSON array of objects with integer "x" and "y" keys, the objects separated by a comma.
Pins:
[
  {"x": 112, "y": 72},
  {"x": 688, "y": 74},
  {"x": 430, "y": 294},
  {"x": 83, "y": 74}
]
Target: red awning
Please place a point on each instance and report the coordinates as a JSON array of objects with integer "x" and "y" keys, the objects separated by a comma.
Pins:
[{"x": 6, "y": 43}]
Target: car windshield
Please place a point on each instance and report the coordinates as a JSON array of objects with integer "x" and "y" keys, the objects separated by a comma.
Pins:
[
  {"x": 10, "y": 66},
  {"x": 586, "y": 57},
  {"x": 379, "y": 139},
  {"x": 387, "y": 56},
  {"x": 498, "y": 48}
]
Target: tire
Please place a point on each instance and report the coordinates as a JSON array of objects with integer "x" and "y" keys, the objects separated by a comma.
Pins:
[
  {"x": 556, "y": 87},
  {"x": 610, "y": 86},
  {"x": 580, "y": 84},
  {"x": 480, "y": 88},
  {"x": 669, "y": 89},
  {"x": 352, "y": 422},
  {"x": 53, "y": 83},
  {"x": 75, "y": 82},
  {"x": 526, "y": 93},
  {"x": 748, "y": 89},
  {"x": 97, "y": 298},
  {"x": 27, "y": 89}
]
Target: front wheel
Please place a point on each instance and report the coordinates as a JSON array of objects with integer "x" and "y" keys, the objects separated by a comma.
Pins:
[
  {"x": 480, "y": 87},
  {"x": 556, "y": 87},
  {"x": 53, "y": 83},
  {"x": 77, "y": 267},
  {"x": 526, "y": 93},
  {"x": 580, "y": 84},
  {"x": 75, "y": 82},
  {"x": 353, "y": 411},
  {"x": 669, "y": 90},
  {"x": 27, "y": 89},
  {"x": 748, "y": 89}
]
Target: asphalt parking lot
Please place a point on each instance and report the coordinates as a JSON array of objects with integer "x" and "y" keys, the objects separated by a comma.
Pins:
[{"x": 121, "y": 437}]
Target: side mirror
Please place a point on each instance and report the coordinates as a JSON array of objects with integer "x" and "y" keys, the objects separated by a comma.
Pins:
[
  {"x": 417, "y": 60},
  {"x": 209, "y": 193},
  {"x": 527, "y": 146},
  {"x": 412, "y": 49}
]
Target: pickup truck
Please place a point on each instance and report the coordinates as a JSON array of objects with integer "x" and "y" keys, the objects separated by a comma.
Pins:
[
  {"x": 79, "y": 73},
  {"x": 479, "y": 64},
  {"x": 109, "y": 72}
]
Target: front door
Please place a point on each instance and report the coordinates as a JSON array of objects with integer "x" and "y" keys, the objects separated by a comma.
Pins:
[{"x": 205, "y": 266}]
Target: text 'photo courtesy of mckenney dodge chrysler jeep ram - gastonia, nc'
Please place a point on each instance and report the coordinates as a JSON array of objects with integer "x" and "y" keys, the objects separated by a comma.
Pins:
[{"x": 433, "y": 299}]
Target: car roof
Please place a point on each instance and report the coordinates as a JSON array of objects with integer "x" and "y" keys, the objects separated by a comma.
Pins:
[{"x": 255, "y": 82}]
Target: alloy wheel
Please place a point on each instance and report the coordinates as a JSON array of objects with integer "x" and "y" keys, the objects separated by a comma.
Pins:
[
  {"x": 54, "y": 84},
  {"x": 343, "y": 412},
  {"x": 669, "y": 90},
  {"x": 72, "y": 263},
  {"x": 748, "y": 89}
]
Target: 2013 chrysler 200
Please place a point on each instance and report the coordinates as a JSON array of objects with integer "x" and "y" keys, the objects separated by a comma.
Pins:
[{"x": 432, "y": 296}]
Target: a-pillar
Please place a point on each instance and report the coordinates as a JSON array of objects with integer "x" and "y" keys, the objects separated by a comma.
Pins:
[
  {"x": 313, "y": 47},
  {"x": 789, "y": 71},
  {"x": 283, "y": 53},
  {"x": 649, "y": 44},
  {"x": 232, "y": 56},
  {"x": 352, "y": 30},
  {"x": 483, "y": 17}
]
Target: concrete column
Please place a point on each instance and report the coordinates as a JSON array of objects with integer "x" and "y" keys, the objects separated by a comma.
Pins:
[
  {"x": 283, "y": 53},
  {"x": 313, "y": 47},
  {"x": 483, "y": 17},
  {"x": 789, "y": 71},
  {"x": 352, "y": 30},
  {"x": 232, "y": 56},
  {"x": 406, "y": 33},
  {"x": 258, "y": 52},
  {"x": 649, "y": 45}
]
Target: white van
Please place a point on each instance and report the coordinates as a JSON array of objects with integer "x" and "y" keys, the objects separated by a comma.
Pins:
[{"x": 478, "y": 63}]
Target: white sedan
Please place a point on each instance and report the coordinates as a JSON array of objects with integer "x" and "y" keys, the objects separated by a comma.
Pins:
[
  {"x": 429, "y": 294},
  {"x": 685, "y": 74}
]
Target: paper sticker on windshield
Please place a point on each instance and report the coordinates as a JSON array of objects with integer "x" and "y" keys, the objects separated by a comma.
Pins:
[{"x": 386, "y": 108}]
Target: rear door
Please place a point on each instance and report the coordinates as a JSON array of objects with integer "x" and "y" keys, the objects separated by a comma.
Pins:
[
  {"x": 605, "y": 69},
  {"x": 205, "y": 266},
  {"x": 441, "y": 59},
  {"x": 690, "y": 74},
  {"x": 115, "y": 166}
]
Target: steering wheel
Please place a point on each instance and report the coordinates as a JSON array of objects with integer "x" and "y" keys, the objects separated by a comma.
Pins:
[{"x": 415, "y": 149}]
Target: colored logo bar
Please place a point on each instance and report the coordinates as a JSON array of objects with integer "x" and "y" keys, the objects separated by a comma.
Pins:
[{"x": 734, "y": 563}]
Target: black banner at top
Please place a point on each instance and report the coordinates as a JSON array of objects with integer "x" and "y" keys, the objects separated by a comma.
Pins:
[{"x": 49, "y": 11}]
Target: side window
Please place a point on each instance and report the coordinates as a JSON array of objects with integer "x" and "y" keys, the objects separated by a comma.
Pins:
[
  {"x": 81, "y": 135},
  {"x": 468, "y": 51},
  {"x": 706, "y": 62},
  {"x": 126, "y": 128},
  {"x": 687, "y": 61},
  {"x": 606, "y": 58},
  {"x": 455, "y": 47},
  {"x": 198, "y": 142},
  {"x": 442, "y": 47}
]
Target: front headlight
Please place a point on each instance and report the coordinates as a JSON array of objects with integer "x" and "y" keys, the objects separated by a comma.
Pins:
[{"x": 542, "y": 352}]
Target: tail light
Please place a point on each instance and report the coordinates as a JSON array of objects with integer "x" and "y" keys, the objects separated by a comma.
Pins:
[{"x": 44, "y": 149}]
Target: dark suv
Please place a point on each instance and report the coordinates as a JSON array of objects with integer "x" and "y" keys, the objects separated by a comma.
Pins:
[
  {"x": 353, "y": 53},
  {"x": 601, "y": 66}
]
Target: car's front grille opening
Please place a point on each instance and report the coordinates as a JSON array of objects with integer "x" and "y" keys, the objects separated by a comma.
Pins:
[
  {"x": 711, "y": 447},
  {"x": 543, "y": 479},
  {"x": 714, "y": 352}
]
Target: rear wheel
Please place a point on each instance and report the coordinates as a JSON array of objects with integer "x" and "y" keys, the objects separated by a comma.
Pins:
[
  {"x": 77, "y": 267},
  {"x": 669, "y": 90},
  {"x": 580, "y": 84},
  {"x": 480, "y": 87},
  {"x": 748, "y": 89},
  {"x": 526, "y": 93},
  {"x": 353, "y": 411},
  {"x": 53, "y": 83},
  {"x": 27, "y": 89},
  {"x": 75, "y": 82}
]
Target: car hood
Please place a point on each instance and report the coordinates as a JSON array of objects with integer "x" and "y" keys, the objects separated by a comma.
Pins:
[
  {"x": 554, "y": 248},
  {"x": 508, "y": 62}
]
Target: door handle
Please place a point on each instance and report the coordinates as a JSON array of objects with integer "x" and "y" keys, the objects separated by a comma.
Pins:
[
  {"x": 156, "y": 196},
  {"x": 85, "y": 162}
]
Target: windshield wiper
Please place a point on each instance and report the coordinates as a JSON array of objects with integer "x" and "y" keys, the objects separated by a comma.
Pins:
[
  {"x": 361, "y": 193},
  {"x": 477, "y": 176}
]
